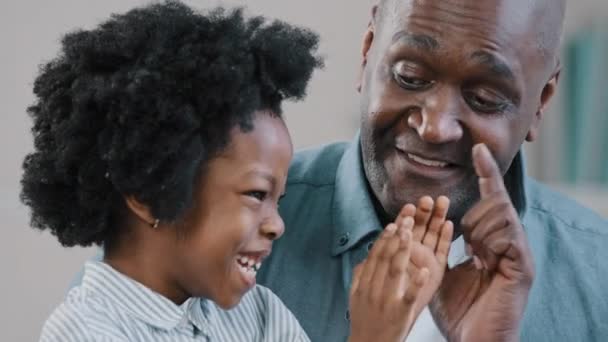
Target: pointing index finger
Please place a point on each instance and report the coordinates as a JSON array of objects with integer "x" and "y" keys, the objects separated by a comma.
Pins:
[{"x": 490, "y": 177}]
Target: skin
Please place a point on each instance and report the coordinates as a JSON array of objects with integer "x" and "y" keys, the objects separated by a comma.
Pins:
[
  {"x": 438, "y": 77},
  {"x": 234, "y": 212},
  {"x": 431, "y": 235},
  {"x": 485, "y": 300},
  {"x": 462, "y": 82},
  {"x": 388, "y": 292}
]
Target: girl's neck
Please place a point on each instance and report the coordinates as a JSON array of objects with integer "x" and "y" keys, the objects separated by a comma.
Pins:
[{"x": 146, "y": 263}]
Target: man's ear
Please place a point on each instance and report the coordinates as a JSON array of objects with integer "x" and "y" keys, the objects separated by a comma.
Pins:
[
  {"x": 140, "y": 210},
  {"x": 368, "y": 39},
  {"x": 547, "y": 94}
]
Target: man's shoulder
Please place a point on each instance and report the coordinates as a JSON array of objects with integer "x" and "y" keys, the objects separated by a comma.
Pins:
[
  {"x": 316, "y": 166},
  {"x": 550, "y": 205},
  {"x": 568, "y": 244}
]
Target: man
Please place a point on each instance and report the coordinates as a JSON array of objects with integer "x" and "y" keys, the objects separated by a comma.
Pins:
[{"x": 450, "y": 90}]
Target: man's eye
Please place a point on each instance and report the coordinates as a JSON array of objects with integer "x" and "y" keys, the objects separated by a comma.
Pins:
[
  {"x": 407, "y": 75},
  {"x": 259, "y": 195},
  {"x": 412, "y": 83},
  {"x": 483, "y": 104}
]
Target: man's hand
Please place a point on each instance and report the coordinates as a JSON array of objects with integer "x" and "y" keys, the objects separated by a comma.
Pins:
[
  {"x": 383, "y": 293},
  {"x": 485, "y": 300}
]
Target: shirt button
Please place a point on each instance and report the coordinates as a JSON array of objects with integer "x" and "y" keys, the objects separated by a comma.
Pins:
[
  {"x": 343, "y": 240},
  {"x": 347, "y": 315}
]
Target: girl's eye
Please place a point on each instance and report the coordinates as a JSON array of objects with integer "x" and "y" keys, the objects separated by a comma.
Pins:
[{"x": 259, "y": 195}]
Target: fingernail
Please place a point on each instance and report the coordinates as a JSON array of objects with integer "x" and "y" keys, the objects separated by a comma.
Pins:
[
  {"x": 477, "y": 263},
  {"x": 479, "y": 148},
  {"x": 468, "y": 250},
  {"x": 391, "y": 228},
  {"x": 408, "y": 221},
  {"x": 405, "y": 235}
]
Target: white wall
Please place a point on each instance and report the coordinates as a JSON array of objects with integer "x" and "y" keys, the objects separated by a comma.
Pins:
[{"x": 35, "y": 269}]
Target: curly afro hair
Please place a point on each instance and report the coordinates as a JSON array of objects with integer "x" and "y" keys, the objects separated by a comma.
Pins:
[{"x": 138, "y": 105}]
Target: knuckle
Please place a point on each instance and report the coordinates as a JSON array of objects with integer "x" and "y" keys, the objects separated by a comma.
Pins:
[
  {"x": 500, "y": 196},
  {"x": 384, "y": 256},
  {"x": 396, "y": 270},
  {"x": 377, "y": 249},
  {"x": 425, "y": 210},
  {"x": 409, "y": 298},
  {"x": 466, "y": 222},
  {"x": 505, "y": 206}
]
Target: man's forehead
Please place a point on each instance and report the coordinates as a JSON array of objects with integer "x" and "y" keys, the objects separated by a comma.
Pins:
[
  {"x": 511, "y": 8},
  {"x": 524, "y": 24},
  {"x": 485, "y": 17}
]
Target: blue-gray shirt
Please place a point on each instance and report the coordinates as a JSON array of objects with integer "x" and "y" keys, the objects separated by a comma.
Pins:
[
  {"x": 108, "y": 306},
  {"x": 330, "y": 221}
]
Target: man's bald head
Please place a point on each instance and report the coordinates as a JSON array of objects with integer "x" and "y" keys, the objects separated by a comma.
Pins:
[{"x": 547, "y": 15}]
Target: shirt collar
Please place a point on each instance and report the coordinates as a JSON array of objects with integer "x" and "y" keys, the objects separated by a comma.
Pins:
[
  {"x": 354, "y": 214},
  {"x": 353, "y": 208},
  {"x": 141, "y": 302}
]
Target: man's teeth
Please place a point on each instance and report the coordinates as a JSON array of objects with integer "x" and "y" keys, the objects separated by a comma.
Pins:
[{"x": 427, "y": 162}]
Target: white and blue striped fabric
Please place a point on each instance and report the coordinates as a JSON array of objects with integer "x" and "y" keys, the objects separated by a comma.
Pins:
[{"x": 109, "y": 306}]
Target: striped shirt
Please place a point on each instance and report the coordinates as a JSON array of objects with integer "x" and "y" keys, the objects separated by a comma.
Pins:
[{"x": 109, "y": 306}]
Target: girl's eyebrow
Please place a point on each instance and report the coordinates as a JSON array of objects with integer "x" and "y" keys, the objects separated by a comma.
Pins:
[{"x": 266, "y": 175}]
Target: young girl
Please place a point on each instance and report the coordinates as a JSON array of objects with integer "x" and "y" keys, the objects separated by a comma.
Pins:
[{"x": 159, "y": 136}]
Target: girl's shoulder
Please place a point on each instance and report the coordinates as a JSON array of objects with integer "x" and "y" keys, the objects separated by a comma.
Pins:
[
  {"x": 83, "y": 317},
  {"x": 266, "y": 317}
]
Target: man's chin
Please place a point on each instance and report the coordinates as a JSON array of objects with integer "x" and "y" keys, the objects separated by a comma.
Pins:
[{"x": 460, "y": 200}]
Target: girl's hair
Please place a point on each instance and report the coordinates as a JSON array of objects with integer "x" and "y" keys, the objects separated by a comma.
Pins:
[{"x": 138, "y": 105}]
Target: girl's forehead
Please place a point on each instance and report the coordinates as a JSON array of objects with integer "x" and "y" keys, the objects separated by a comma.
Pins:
[{"x": 266, "y": 147}]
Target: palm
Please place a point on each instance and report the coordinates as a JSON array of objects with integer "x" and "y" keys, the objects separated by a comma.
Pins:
[
  {"x": 474, "y": 303},
  {"x": 485, "y": 301},
  {"x": 424, "y": 257},
  {"x": 432, "y": 235}
]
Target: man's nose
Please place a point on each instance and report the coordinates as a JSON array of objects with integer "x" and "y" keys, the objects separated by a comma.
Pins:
[{"x": 437, "y": 121}]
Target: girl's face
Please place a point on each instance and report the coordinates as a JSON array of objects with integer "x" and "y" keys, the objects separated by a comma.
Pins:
[{"x": 227, "y": 234}]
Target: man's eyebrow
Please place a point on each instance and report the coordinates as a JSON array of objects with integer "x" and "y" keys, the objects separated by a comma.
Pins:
[
  {"x": 494, "y": 64},
  {"x": 419, "y": 41}
]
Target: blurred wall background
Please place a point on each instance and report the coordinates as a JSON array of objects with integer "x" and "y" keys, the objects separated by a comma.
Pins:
[{"x": 36, "y": 270}]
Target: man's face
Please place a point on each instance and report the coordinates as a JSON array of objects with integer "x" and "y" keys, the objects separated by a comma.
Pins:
[{"x": 439, "y": 77}]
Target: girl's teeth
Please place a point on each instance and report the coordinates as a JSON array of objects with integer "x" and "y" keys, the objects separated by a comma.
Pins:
[
  {"x": 244, "y": 260},
  {"x": 247, "y": 263}
]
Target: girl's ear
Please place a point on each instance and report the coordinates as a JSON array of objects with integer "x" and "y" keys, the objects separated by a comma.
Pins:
[{"x": 141, "y": 211}]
